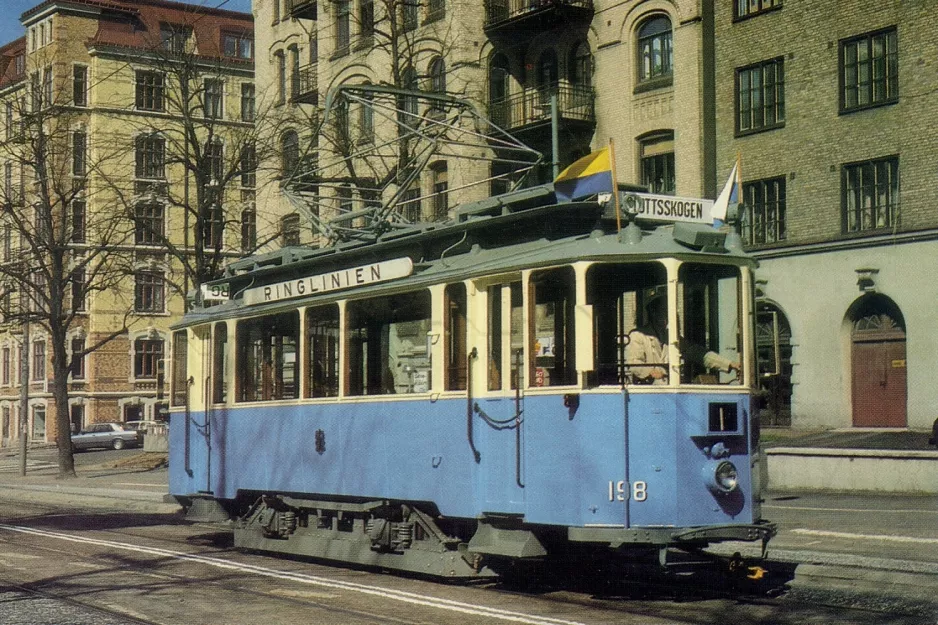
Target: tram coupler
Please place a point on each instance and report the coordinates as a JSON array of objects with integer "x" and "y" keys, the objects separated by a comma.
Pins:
[{"x": 739, "y": 568}]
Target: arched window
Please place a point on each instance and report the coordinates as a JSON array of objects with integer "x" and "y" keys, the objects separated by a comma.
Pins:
[
  {"x": 547, "y": 69},
  {"x": 655, "y": 55},
  {"x": 773, "y": 344},
  {"x": 290, "y": 152},
  {"x": 437, "y": 73},
  {"x": 580, "y": 67},
  {"x": 498, "y": 90}
]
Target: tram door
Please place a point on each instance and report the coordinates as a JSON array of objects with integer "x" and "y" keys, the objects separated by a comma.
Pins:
[{"x": 498, "y": 420}]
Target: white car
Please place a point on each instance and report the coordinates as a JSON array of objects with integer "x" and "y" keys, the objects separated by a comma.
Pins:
[{"x": 112, "y": 435}]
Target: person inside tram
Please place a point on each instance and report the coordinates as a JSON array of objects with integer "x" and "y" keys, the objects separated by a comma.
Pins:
[{"x": 647, "y": 350}]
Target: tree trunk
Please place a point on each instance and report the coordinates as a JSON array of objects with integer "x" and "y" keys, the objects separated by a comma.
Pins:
[{"x": 63, "y": 425}]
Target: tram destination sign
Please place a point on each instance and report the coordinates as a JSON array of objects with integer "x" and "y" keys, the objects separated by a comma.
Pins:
[
  {"x": 350, "y": 278},
  {"x": 669, "y": 208}
]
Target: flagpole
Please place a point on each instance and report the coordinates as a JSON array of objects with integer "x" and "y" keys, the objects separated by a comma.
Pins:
[{"x": 615, "y": 184}]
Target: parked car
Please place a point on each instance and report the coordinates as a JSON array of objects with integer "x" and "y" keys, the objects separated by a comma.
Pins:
[
  {"x": 112, "y": 435},
  {"x": 140, "y": 427}
]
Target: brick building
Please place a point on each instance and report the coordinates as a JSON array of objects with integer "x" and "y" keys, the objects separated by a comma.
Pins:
[
  {"x": 829, "y": 108},
  {"x": 96, "y": 73}
]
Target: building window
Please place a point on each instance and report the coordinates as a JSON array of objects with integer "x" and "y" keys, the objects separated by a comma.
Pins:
[
  {"x": 150, "y": 157},
  {"x": 655, "y": 56},
  {"x": 247, "y": 102},
  {"x": 80, "y": 85},
  {"x": 6, "y": 366},
  {"x": 238, "y": 45},
  {"x": 148, "y": 223},
  {"x": 760, "y": 96},
  {"x": 20, "y": 64},
  {"x": 248, "y": 166},
  {"x": 580, "y": 67},
  {"x": 7, "y": 246},
  {"x": 79, "y": 208},
  {"x": 215, "y": 162},
  {"x": 47, "y": 86},
  {"x": 290, "y": 153},
  {"x": 366, "y": 21},
  {"x": 657, "y": 161},
  {"x": 745, "y": 8},
  {"x": 213, "y": 226},
  {"x": 149, "y": 91},
  {"x": 871, "y": 194},
  {"x": 147, "y": 355},
  {"x": 342, "y": 27},
  {"x": 366, "y": 120},
  {"x": 295, "y": 85},
  {"x": 248, "y": 230},
  {"x": 276, "y": 7},
  {"x": 35, "y": 91},
  {"x": 344, "y": 198},
  {"x": 148, "y": 292},
  {"x": 440, "y": 185},
  {"x": 174, "y": 37},
  {"x": 410, "y": 14},
  {"x": 869, "y": 70},
  {"x": 39, "y": 361},
  {"x": 290, "y": 227},
  {"x": 214, "y": 97},
  {"x": 8, "y": 124},
  {"x": 78, "y": 290},
  {"x": 79, "y": 153},
  {"x": 78, "y": 361},
  {"x": 764, "y": 216},
  {"x": 436, "y": 10},
  {"x": 281, "y": 77}
]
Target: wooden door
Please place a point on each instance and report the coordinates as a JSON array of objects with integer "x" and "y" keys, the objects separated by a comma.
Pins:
[{"x": 879, "y": 378}]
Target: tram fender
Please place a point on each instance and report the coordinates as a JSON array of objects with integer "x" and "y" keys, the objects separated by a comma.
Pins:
[{"x": 510, "y": 543}]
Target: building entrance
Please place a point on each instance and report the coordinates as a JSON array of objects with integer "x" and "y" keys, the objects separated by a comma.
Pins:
[{"x": 878, "y": 367}]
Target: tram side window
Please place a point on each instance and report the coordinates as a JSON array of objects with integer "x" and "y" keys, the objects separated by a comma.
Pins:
[
  {"x": 554, "y": 297},
  {"x": 322, "y": 348},
  {"x": 180, "y": 369},
  {"x": 496, "y": 332},
  {"x": 267, "y": 350},
  {"x": 220, "y": 365},
  {"x": 495, "y": 337},
  {"x": 455, "y": 336},
  {"x": 388, "y": 345},
  {"x": 620, "y": 295},
  {"x": 709, "y": 313}
]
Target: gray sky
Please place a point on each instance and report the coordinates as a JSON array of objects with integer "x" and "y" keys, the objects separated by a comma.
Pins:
[{"x": 10, "y": 11}]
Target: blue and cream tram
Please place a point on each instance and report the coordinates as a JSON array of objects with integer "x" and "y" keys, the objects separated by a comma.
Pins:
[{"x": 449, "y": 398}]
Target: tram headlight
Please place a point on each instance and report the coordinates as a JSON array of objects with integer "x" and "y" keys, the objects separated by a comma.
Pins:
[
  {"x": 721, "y": 477},
  {"x": 726, "y": 476}
]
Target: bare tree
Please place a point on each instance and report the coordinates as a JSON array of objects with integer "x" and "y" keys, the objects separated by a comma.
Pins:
[{"x": 56, "y": 254}]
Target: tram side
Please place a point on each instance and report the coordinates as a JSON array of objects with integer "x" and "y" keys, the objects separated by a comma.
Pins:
[{"x": 444, "y": 423}]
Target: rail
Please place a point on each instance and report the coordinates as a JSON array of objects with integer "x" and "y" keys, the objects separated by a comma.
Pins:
[
  {"x": 306, "y": 87},
  {"x": 497, "y": 11},
  {"x": 531, "y": 106}
]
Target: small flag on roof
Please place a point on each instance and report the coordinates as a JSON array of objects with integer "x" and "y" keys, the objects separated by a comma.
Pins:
[
  {"x": 729, "y": 195},
  {"x": 590, "y": 175}
]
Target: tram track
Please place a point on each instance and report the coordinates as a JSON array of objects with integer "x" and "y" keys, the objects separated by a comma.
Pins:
[{"x": 646, "y": 596}]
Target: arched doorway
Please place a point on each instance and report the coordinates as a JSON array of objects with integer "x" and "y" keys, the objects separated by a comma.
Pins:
[
  {"x": 878, "y": 363},
  {"x": 773, "y": 343}
]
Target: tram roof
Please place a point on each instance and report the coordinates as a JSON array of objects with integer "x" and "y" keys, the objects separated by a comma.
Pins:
[{"x": 503, "y": 234}]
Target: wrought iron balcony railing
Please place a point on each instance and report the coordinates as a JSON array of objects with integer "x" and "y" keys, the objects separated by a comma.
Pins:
[
  {"x": 532, "y": 106},
  {"x": 500, "y": 11},
  {"x": 306, "y": 84},
  {"x": 302, "y": 9}
]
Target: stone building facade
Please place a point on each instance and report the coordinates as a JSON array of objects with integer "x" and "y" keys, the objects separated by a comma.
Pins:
[
  {"x": 828, "y": 108},
  {"x": 101, "y": 71}
]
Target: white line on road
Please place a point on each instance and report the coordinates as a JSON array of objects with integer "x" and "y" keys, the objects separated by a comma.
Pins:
[
  {"x": 882, "y": 537},
  {"x": 387, "y": 593},
  {"x": 140, "y": 484},
  {"x": 811, "y": 509}
]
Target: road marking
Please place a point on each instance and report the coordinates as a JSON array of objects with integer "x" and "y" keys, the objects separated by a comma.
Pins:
[
  {"x": 809, "y": 508},
  {"x": 313, "y": 580},
  {"x": 140, "y": 484},
  {"x": 883, "y": 537}
]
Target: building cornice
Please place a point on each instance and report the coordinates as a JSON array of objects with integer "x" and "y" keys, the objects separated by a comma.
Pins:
[{"x": 827, "y": 247}]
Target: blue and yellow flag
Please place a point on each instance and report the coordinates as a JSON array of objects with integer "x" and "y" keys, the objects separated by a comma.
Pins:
[{"x": 590, "y": 175}]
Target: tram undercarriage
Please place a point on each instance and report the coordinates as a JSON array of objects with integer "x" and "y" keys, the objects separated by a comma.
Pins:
[{"x": 401, "y": 536}]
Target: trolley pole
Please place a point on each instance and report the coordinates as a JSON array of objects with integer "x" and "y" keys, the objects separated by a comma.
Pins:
[{"x": 24, "y": 397}]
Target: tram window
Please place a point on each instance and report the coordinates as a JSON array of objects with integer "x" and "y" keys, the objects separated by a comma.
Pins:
[
  {"x": 220, "y": 365},
  {"x": 517, "y": 334},
  {"x": 709, "y": 313},
  {"x": 554, "y": 296},
  {"x": 267, "y": 350},
  {"x": 322, "y": 348},
  {"x": 387, "y": 345},
  {"x": 455, "y": 336},
  {"x": 619, "y": 295},
  {"x": 495, "y": 337},
  {"x": 180, "y": 369}
]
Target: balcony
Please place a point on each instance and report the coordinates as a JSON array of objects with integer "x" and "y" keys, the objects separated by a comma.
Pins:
[
  {"x": 510, "y": 19},
  {"x": 306, "y": 85},
  {"x": 302, "y": 9},
  {"x": 529, "y": 111}
]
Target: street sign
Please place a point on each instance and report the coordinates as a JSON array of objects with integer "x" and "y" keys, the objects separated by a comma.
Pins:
[
  {"x": 215, "y": 293},
  {"x": 669, "y": 208}
]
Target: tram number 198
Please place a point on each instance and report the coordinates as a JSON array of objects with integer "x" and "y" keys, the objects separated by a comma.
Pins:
[{"x": 619, "y": 491}]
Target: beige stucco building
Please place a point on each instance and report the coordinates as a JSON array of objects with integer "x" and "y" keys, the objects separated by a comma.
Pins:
[{"x": 99, "y": 77}]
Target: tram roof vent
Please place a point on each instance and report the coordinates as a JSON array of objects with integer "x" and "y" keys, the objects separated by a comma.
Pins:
[
  {"x": 700, "y": 237},
  {"x": 506, "y": 203}
]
